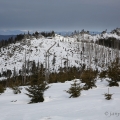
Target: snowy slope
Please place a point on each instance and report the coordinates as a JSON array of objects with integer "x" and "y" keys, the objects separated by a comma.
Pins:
[
  {"x": 91, "y": 105},
  {"x": 13, "y": 56}
]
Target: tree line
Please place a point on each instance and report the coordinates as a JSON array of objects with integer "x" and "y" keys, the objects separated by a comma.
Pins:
[
  {"x": 11, "y": 40},
  {"x": 4, "y": 43},
  {"x": 110, "y": 42}
]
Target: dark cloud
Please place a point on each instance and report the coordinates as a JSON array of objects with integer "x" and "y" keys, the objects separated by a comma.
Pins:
[{"x": 59, "y": 14}]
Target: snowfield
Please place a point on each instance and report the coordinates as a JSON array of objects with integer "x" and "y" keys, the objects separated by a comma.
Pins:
[{"x": 91, "y": 105}]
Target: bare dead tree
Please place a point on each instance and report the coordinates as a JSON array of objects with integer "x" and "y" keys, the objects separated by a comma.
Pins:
[{"x": 25, "y": 68}]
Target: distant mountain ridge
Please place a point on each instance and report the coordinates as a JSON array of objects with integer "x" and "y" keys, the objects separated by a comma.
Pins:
[{"x": 6, "y": 37}]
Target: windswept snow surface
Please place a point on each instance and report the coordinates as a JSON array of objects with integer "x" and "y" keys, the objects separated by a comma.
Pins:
[{"x": 91, "y": 105}]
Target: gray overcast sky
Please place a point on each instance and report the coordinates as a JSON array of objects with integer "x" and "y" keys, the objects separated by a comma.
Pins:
[{"x": 59, "y": 15}]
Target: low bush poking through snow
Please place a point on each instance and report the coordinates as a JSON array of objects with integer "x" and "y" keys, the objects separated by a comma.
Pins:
[
  {"x": 16, "y": 90},
  {"x": 108, "y": 96}
]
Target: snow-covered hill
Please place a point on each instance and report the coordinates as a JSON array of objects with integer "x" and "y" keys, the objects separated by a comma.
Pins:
[
  {"x": 76, "y": 50},
  {"x": 91, "y": 105},
  {"x": 35, "y": 49}
]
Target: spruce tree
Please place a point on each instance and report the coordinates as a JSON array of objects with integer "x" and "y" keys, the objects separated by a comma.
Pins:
[
  {"x": 2, "y": 89},
  {"x": 102, "y": 74},
  {"x": 75, "y": 89},
  {"x": 36, "y": 92},
  {"x": 114, "y": 73},
  {"x": 88, "y": 77}
]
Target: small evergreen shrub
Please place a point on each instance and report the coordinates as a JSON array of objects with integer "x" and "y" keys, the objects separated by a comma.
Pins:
[
  {"x": 113, "y": 73},
  {"x": 16, "y": 90},
  {"x": 16, "y": 87},
  {"x": 36, "y": 92},
  {"x": 2, "y": 89},
  {"x": 108, "y": 96},
  {"x": 88, "y": 77},
  {"x": 112, "y": 83},
  {"x": 75, "y": 89},
  {"x": 103, "y": 74}
]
